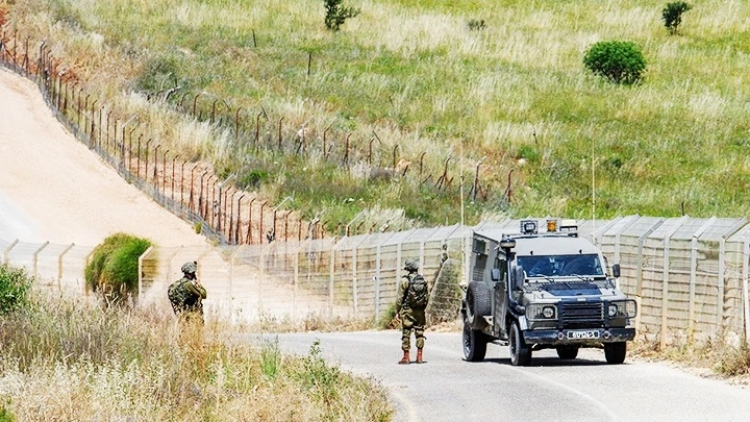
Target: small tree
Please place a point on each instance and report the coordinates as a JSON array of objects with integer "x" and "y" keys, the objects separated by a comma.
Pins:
[
  {"x": 619, "y": 61},
  {"x": 672, "y": 15},
  {"x": 336, "y": 14},
  {"x": 112, "y": 273}
]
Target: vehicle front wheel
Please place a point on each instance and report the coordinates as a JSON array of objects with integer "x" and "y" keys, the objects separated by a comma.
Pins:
[
  {"x": 615, "y": 352},
  {"x": 475, "y": 344},
  {"x": 567, "y": 352},
  {"x": 520, "y": 353}
]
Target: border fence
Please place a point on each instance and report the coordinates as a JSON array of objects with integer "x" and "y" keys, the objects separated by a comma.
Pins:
[
  {"x": 192, "y": 190},
  {"x": 689, "y": 275}
]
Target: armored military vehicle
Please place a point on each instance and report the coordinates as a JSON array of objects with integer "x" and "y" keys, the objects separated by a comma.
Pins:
[{"x": 538, "y": 289}]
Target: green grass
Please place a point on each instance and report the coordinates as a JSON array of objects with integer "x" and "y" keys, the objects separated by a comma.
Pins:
[{"x": 412, "y": 77}]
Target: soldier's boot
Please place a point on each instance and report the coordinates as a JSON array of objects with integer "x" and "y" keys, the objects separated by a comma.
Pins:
[
  {"x": 419, "y": 356},
  {"x": 404, "y": 360}
]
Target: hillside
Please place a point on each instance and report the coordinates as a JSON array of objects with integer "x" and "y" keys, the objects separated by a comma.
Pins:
[
  {"x": 415, "y": 112},
  {"x": 50, "y": 180}
]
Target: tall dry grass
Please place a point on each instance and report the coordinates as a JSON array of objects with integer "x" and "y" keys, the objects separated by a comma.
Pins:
[{"x": 67, "y": 360}]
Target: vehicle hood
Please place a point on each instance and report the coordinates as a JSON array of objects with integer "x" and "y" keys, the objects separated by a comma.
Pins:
[{"x": 572, "y": 288}]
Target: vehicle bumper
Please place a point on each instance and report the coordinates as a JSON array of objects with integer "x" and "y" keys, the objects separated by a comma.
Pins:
[{"x": 579, "y": 336}]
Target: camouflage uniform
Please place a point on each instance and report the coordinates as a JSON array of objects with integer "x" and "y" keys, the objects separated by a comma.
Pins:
[
  {"x": 194, "y": 293},
  {"x": 411, "y": 319}
]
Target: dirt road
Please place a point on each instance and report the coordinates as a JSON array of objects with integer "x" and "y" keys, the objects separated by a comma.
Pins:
[{"x": 52, "y": 188}]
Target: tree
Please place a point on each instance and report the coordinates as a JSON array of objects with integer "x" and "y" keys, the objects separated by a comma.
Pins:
[
  {"x": 619, "y": 61},
  {"x": 112, "y": 273},
  {"x": 672, "y": 15},
  {"x": 336, "y": 14}
]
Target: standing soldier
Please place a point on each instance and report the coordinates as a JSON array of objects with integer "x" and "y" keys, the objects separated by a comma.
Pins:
[
  {"x": 411, "y": 302},
  {"x": 187, "y": 294}
]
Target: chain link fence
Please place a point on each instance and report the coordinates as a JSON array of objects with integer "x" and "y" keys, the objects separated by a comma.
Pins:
[{"x": 689, "y": 275}]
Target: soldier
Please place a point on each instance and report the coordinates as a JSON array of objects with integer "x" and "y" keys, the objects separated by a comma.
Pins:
[
  {"x": 187, "y": 294},
  {"x": 411, "y": 302}
]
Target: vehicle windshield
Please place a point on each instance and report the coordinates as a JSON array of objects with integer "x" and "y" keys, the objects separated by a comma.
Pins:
[{"x": 561, "y": 265}]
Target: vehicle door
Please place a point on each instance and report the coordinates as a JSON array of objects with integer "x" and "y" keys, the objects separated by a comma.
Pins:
[{"x": 501, "y": 297}]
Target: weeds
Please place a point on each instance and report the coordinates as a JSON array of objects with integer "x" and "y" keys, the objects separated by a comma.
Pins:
[{"x": 77, "y": 361}]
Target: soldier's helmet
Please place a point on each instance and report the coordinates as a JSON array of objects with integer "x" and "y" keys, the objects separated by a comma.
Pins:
[
  {"x": 411, "y": 265},
  {"x": 190, "y": 267}
]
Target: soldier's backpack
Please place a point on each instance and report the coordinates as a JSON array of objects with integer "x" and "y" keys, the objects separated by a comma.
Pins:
[
  {"x": 177, "y": 294},
  {"x": 415, "y": 296}
]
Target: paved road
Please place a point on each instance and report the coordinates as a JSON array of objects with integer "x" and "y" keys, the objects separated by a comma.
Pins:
[{"x": 448, "y": 389}]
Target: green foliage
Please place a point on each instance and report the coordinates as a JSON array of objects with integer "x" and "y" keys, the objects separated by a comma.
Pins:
[
  {"x": 619, "y": 61},
  {"x": 5, "y": 415},
  {"x": 252, "y": 179},
  {"x": 476, "y": 24},
  {"x": 270, "y": 359},
  {"x": 320, "y": 378},
  {"x": 112, "y": 272},
  {"x": 336, "y": 14},
  {"x": 14, "y": 289},
  {"x": 672, "y": 15},
  {"x": 388, "y": 320}
]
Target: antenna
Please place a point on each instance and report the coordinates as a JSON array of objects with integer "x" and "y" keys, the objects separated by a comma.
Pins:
[{"x": 593, "y": 190}]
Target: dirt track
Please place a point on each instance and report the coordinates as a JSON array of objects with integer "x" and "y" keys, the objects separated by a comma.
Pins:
[{"x": 52, "y": 188}]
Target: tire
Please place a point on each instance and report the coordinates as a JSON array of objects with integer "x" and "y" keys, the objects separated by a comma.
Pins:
[
  {"x": 474, "y": 344},
  {"x": 477, "y": 304},
  {"x": 615, "y": 352},
  {"x": 567, "y": 352},
  {"x": 520, "y": 353}
]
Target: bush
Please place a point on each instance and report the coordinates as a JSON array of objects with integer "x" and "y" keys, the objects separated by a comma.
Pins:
[
  {"x": 618, "y": 61},
  {"x": 113, "y": 271},
  {"x": 336, "y": 14},
  {"x": 14, "y": 289},
  {"x": 672, "y": 15}
]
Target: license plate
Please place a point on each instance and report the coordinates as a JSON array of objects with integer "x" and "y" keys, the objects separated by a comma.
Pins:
[{"x": 583, "y": 334}]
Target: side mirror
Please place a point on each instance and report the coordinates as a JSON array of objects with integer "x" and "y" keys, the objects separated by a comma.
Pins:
[
  {"x": 495, "y": 274},
  {"x": 616, "y": 270},
  {"x": 518, "y": 279}
]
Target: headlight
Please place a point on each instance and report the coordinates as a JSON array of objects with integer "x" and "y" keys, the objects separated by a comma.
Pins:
[
  {"x": 622, "y": 309},
  {"x": 541, "y": 312}
]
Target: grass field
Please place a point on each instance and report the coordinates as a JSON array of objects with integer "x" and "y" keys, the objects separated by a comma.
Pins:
[
  {"x": 71, "y": 360},
  {"x": 411, "y": 77}
]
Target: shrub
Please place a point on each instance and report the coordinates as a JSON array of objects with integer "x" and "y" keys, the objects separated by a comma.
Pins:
[
  {"x": 336, "y": 14},
  {"x": 672, "y": 15},
  {"x": 112, "y": 272},
  {"x": 618, "y": 61},
  {"x": 476, "y": 24},
  {"x": 14, "y": 289}
]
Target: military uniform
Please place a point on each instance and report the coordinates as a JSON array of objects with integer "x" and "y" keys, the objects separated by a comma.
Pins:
[
  {"x": 412, "y": 319},
  {"x": 190, "y": 294}
]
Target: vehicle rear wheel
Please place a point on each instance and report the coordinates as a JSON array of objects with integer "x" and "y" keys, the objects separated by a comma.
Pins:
[
  {"x": 477, "y": 304},
  {"x": 615, "y": 352},
  {"x": 567, "y": 352},
  {"x": 475, "y": 344},
  {"x": 520, "y": 353}
]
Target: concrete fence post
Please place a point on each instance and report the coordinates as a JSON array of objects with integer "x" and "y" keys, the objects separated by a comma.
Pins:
[
  {"x": 36, "y": 257},
  {"x": 60, "y": 266}
]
